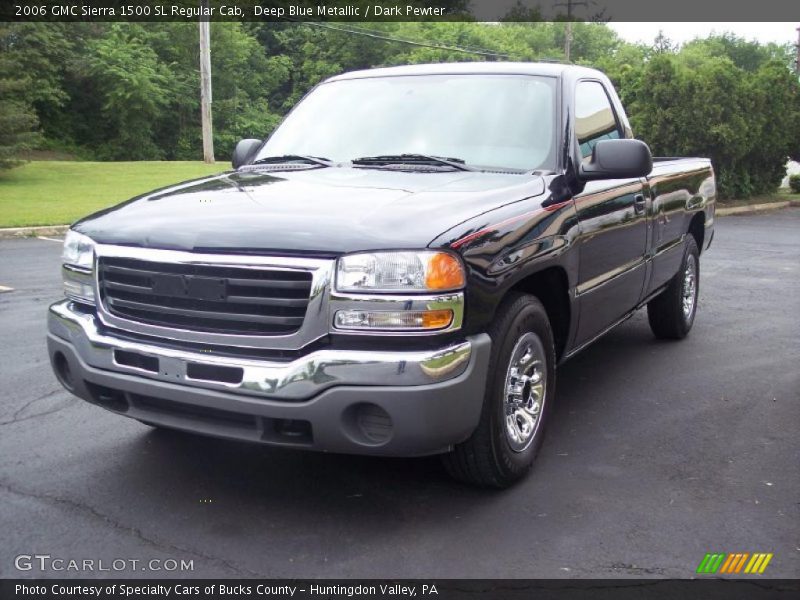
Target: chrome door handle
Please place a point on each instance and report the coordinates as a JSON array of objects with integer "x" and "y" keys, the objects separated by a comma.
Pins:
[{"x": 639, "y": 204}]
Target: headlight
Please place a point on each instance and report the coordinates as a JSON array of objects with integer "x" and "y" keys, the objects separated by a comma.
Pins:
[
  {"x": 426, "y": 271},
  {"x": 78, "y": 250},
  {"x": 78, "y": 267},
  {"x": 401, "y": 291}
]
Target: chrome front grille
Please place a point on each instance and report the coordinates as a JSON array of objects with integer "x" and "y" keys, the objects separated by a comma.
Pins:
[{"x": 213, "y": 298}]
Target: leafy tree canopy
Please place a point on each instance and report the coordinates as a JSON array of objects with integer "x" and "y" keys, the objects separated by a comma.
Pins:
[{"x": 131, "y": 91}]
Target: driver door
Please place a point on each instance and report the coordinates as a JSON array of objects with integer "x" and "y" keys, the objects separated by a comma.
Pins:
[{"x": 613, "y": 224}]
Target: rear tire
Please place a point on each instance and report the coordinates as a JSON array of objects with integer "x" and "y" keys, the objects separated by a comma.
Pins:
[
  {"x": 671, "y": 313},
  {"x": 519, "y": 395}
]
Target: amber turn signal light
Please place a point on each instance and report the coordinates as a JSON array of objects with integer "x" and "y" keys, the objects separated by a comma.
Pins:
[{"x": 444, "y": 272}]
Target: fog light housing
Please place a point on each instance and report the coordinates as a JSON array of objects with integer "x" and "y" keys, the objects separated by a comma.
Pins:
[
  {"x": 79, "y": 291},
  {"x": 393, "y": 320}
]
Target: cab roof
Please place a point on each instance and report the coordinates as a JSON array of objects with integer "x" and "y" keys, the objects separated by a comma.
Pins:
[{"x": 473, "y": 68}]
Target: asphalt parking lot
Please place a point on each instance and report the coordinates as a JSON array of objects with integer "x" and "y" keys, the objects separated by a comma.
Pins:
[{"x": 657, "y": 453}]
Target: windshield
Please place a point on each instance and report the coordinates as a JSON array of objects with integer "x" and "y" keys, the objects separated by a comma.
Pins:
[{"x": 503, "y": 121}]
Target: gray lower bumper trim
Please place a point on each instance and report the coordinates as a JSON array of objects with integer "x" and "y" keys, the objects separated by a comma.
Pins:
[{"x": 378, "y": 420}]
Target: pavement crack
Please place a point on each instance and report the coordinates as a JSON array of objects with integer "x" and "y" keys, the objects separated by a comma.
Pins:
[
  {"x": 92, "y": 512},
  {"x": 18, "y": 417}
]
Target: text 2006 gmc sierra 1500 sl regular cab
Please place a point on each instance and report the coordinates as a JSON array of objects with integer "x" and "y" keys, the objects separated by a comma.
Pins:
[{"x": 397, "y": 270}]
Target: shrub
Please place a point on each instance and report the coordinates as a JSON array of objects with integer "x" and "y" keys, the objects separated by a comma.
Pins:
[
  {"x": 794, "y": 183},
  {"x": 707, "y": 106}
]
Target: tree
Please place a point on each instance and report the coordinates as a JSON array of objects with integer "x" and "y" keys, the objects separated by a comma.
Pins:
[
  {"x": 747, "y": 55},
  {"x": 18, "y": 122},
  {"x": 38, "y": 55},
  {"x": 134, "y": 87},
  {"x": 17, "y": 127},
  {"x": 695, "y": 103},
  {"x": 662, "y": 44},
  {"x": 522, "y": 13},
  {"x": 724, "y": 97},
  {"x": 775, "y": 119}
]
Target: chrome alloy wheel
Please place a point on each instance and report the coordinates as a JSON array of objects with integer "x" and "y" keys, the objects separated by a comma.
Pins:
[
  {"x": 525, "y": 386},
  {"x": 689, "y": 293}
]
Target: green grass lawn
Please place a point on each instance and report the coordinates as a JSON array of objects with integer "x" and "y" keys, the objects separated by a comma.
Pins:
[
  {"x": 52, "y": 192},
  {"x": 60, "y": 192}
]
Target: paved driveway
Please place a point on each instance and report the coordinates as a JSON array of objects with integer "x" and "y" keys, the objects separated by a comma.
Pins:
[{"x": 657, "y": 453}]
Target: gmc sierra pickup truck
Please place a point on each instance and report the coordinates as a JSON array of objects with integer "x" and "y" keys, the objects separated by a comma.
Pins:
[{"x": 397, "y": 270}]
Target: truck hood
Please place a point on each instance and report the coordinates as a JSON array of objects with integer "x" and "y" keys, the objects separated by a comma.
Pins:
[{"x": 323, "y": 211}]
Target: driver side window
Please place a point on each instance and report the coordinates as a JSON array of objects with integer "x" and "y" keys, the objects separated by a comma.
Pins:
[{"x": 594, "y": 116}]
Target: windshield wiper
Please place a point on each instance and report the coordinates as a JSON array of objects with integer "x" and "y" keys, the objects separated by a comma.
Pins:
[
  {"x": 394, "y": 159},
  {"x": 287, "y": 158}
]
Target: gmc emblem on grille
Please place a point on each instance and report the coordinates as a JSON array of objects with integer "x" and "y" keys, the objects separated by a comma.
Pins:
[{"x": 188, "y": 286}]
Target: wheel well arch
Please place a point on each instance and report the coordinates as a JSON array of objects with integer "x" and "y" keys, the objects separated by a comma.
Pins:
[
  {"x": 697, "y": 228},
  {"x": 551, "y": 287}
]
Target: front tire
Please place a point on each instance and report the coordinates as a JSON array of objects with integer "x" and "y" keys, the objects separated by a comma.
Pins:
[
  {"x": 671, "y": 313},
  {"x": 517, "y": 401}
]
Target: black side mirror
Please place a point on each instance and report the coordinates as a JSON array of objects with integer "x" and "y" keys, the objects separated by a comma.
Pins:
[
  {"x": 244, "y": 151},
  {"x": 617, "y": 159}
]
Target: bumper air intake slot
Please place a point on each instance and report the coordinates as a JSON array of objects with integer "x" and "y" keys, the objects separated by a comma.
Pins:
[
  {"x": 135, "y": 360},
  {"x": 108, "y": 398},
  {"x": 214, "y": 373},
  {"x": 287, "y": 431},
  {"x": 202, "y": 414}
]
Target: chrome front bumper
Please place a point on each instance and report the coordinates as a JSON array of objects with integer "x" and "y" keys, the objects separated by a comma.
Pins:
[
  {"x": 380, "y": 403},
  {"x": 300, "y": 379}
]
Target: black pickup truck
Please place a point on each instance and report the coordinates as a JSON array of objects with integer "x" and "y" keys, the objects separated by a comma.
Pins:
[{"x": 397, "y": 270}]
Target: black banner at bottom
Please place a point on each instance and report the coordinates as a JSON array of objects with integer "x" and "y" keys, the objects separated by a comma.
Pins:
[{"x": 368, "y": 589}]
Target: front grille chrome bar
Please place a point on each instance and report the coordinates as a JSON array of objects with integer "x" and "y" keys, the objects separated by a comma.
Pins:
[{"x": 302, "y": 313}]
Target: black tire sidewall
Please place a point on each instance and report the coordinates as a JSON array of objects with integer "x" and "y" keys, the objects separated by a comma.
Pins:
[
  {"x": 682, "y": 324},
  {"x": 665, "y": 311}
]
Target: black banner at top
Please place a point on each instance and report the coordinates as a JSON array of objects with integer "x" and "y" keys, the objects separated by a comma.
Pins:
[{"x": 399, "y": 10}]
